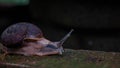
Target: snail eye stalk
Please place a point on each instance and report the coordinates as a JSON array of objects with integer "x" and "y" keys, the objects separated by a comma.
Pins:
[{"x": 60, "y": 43}]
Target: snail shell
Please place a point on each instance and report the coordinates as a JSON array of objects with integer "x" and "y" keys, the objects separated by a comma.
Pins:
[{"x": 14, "y": 34}]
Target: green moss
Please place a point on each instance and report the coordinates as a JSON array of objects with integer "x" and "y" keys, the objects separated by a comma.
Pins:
[
  {"x": 70, "y": 59},
  {"x": 17, "y": 2}
]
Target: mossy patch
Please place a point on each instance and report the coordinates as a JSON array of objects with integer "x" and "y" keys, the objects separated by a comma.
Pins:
[{"x": 69, "y": 59}]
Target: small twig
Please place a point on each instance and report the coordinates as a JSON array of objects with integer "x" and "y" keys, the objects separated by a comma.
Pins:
[
  {"x": 4, "y": 50},
  {"x": 2, "y": 56},
  {"x": 12, "y": 64}
]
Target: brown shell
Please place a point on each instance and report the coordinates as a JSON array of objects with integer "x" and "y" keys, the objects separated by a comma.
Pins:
[{"x": 14, "y": 34}]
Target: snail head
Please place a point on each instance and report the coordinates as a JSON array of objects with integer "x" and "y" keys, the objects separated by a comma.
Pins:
[
  {"x": 59, "y": 44},
  {"x": 44, "y": 43}
]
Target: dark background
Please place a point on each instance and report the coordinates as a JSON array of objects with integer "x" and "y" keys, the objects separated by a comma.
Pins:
[{"x": 96, "y": 24}]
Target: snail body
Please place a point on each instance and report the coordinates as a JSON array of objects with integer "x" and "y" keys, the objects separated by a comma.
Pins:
[{"x": 27, "y": 39}]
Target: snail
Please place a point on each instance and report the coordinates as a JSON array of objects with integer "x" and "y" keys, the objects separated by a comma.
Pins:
[{"x": 27, "y": 39}]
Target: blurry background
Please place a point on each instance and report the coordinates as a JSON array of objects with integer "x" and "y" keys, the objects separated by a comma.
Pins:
[{"x": 96, "y": 24}]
